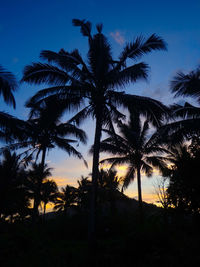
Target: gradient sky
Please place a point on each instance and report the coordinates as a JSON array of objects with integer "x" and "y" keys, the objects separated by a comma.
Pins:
[{"x": 29, "y": 26}]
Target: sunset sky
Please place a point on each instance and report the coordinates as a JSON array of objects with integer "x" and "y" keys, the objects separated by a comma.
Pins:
[{"x": 29, "y": 26}]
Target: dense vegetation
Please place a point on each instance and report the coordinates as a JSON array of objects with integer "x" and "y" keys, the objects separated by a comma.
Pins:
[{"x": 116, "y": 226}]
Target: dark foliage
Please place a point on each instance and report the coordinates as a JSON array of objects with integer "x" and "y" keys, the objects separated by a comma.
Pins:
[{"x": 184, "y": 186}]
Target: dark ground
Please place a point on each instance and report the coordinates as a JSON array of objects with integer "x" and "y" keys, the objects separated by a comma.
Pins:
[{"x": 122, "y": 241}]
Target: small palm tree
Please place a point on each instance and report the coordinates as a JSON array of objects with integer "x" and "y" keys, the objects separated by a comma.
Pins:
[
  {"x": 84, "y": 193},
  {"x": 133, "y": 147},
  {"x": 49, "y": 193},
  {"x": 109, "y": 180},
  {"x": 67, "y": 198},
  {"x": 14, "y": 199},
  {"x": 109, "y": 189},
  {"x": 35, "y": 178}
]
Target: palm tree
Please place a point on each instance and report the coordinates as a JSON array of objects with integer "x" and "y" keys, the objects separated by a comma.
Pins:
[
  {"x": 35, "y": 178},
  {"x": 67, "y": 198},
  {"x": 188, "y": 116},
  {"x": 135, "y": 148},
  {"x": 10, "y": 127},
  {"x": 84, "y": 193},
  {"x": 49, "y": 193},
  {"x": 109, "y": 189},
  {"x": 109, "y": 179},
  {"x": 43, "y": 131},
  {"x": 74, "y": 81},
  {"x": 14, "y": 199},
  {"x": 8, "y": 85},
  {"x": 184, "y": 185}
]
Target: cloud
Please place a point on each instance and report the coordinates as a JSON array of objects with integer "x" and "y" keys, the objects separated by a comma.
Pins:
[
  {"x": 118, "y": 37},
  {"x": 63, "y": 181}
]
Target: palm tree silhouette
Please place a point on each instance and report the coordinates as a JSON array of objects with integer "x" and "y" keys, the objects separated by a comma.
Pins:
[
  {"x": 187, "y": 84},
  {"x": 49, "y": 193},
  {"x": 10, "y": 127},
  {"x": 183, "y": 189},
  {"x": 35, "y": 178},
  {"x": 8, "y": 85},
  {"x": 135, "y": 148},
  {"x": 109, "y": 189},
  {"x": 14, "y": 199},
  {"x": 68, "y": 197},
  {"x": 97, "y": 82},
  {"x": 188, "y": 116},
  {"x": 43, "y": 131},
  {"x": 84, "y": 193}
]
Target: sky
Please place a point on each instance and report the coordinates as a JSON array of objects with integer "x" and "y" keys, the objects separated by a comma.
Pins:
[{"x": 29, "y": 26}]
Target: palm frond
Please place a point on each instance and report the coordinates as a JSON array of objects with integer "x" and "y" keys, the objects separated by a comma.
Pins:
[
  {"x": 157, "y": 162},
  {"x": 176, "y": 132},
  {"x": 186, "y": 111},
  {"x": 128, "y": 75},
  {"x": 147, "y": 169},
  {"x": 99, "y": 27},
  {"x": 129, "y": 177},
  {"x": 144, "y": 132},
  {"x": 81, "y": 115},
  {"x": 141, "y": 46},
  {"x": 115, "y": 161},
  {"x": 63, "y": 144},
  {"x": 8, "y": 85},
  {"x": 70, "y": 129},
  {"x": 65, "y": 60},
  {"x": 111, "y": 148},
  {"x": 152, "y": 109},
  {"x": 84, "y": 25},
  {"x": 187, "y": 84},
  {"x": 38, "y": 73}
]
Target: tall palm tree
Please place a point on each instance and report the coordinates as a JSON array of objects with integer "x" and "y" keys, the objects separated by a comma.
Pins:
[
  {"x": 134, "y": 148},
  {"x": 97, "y": 82},
  {"x": 8, "y": 85}
]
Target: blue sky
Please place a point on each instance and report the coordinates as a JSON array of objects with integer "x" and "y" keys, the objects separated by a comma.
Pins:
[{"x": 29, "y": 26}]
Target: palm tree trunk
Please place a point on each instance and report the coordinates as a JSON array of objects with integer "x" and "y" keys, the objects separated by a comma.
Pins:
[
  {"x": 35, "y": 207},
  {"x": 140, "y": 194},
  {"x": 43, "y": 156},
  {"x": 37, "y": 196},
  {"x": 44, "y": 212},
  {"x": 95, "y": 174}
]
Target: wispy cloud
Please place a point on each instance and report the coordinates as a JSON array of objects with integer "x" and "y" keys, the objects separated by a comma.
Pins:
[{"x": 118, "y": 37}]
